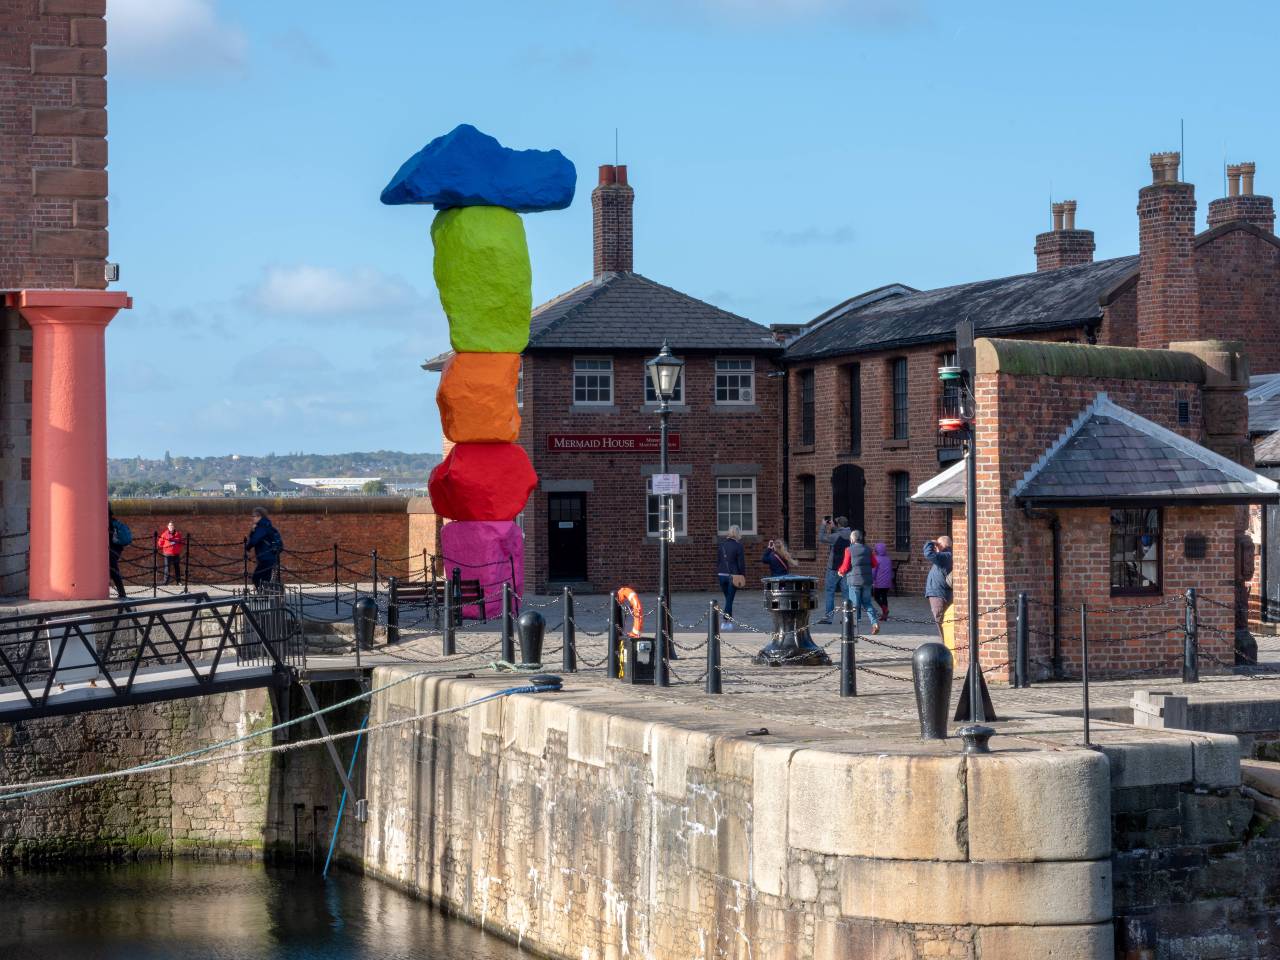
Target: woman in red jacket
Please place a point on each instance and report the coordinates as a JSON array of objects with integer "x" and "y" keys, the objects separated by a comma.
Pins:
[{"x": 170, "y": 543}]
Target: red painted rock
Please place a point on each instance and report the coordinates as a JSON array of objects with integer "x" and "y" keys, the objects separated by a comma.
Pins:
[
  {"x": 492, "y": 553},
  {"x": 482, "y": 481},
  {"x": 477, "y": 398}
]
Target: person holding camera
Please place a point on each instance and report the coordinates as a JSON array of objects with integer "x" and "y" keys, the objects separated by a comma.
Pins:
[
  {"x": 937, "y": 586},
  {"x": 836, "y": 534},
  {"x": 777, "y": 558}
]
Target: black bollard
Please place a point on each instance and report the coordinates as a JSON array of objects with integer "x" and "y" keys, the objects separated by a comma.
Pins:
[
  {"x": 931, "y": 671},
  {"x": 848, "y": 653},
  {"x": 1191, "y": 640},
  {"x": 1021, "y": 678},
  {"x": 714, "y": 678},
  {"x": 393, "y": 610},
  {"x": 508, "y": 645},
  {"x": 364, "y": 613},
  {"x": 613, "y": 670},
  {"x": 531, "y": 626},
  {"x": 568, "y": 635},
  {"x": 449, "y": 644}
]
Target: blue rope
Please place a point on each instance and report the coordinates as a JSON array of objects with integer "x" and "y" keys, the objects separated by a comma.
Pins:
[{"x": 342, "y": 804}]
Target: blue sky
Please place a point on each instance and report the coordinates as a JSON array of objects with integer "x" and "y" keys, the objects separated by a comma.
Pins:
[{"x": 786, "y": 154}]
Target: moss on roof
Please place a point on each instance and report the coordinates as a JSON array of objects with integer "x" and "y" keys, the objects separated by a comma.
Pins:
[{"x": 1027, "y": 358}]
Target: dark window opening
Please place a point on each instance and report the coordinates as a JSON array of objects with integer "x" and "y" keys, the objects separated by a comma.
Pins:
[
  {"x": 1135, "y": 552},
  {"x": 809, "y": 512},
  {"x": 1184, "y": 412},
  {"x": 901, "y": 511},
  {"x": 854, "y": 412},
  {"x": 899, "y": 371},
  {"x": 806, "y": 408}
]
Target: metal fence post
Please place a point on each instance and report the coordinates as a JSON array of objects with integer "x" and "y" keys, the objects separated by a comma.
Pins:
[
  {"x": 374, "y": 554},
  {"x": 246, "y": 566},
  {"x": 186, "y": 562},
  {"x": 714, "y": 678},
  {"x": 393, "y": 610},
  {"x": 1084, "y": 667},
  {"x": 508, "y": 644},
  {"x": 568, "y": 635},
  {"x": 848, "y": 653},
  {"x": 155, "y": 556},
  {"x": 335, "y": 579},
  {"x": 611, "y": 610},
  {"x": 425, "y": 574},
  {"x": 449, "y": 642},
  {"x": 1191, "y": 641},
  {"x": 1020, "y": 676}
]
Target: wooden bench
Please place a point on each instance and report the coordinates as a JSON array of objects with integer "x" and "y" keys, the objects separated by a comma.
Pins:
[{"x": 430, "y": 595}]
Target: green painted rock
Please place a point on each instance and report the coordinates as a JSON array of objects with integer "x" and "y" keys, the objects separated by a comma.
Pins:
[{"x": 482, "y": 272}]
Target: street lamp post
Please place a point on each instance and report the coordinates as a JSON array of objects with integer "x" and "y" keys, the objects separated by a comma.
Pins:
[{"x": 664, "y": 372}]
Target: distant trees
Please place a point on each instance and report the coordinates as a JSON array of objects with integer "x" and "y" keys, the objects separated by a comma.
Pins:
[{"x": 373, "y": 487}]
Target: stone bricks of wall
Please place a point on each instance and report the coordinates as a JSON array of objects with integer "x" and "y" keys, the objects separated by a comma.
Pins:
[
  {"x": 742, "y": 439},
  {"x": 53, "y": 124},
  {"x": 215, "y": 810},
  {"x": 310, "y": 527},
  {"x": 1238, "y": 280},
  {"x": 583, "y": 829}
]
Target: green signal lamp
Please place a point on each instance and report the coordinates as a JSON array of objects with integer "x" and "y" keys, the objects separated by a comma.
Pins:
[{"x": 950, "y": 374}]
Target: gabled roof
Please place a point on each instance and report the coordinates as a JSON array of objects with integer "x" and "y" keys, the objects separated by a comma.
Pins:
[
  {"x": 1264, "y": 403},
  {"x": 1048, "y": 300},
  {"x": 628, "y": 311},
  {"x": 1112, "y": 455}
]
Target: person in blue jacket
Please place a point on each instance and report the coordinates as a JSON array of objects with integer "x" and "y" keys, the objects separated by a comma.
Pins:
[
  {"x": 265, "y": 541},
  {"x": 937, "y": 586},
  {"x": 731, "y": 568}
]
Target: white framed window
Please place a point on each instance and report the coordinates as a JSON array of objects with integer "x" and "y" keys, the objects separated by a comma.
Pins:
[
  {"x": 593, "y": 380},
  {"x": 735, "y": 504},
  {"x": 735, "y": 380},
  {"x": 654, "y": 508},
  {"x": 651, "y": 395},
  {"x": 520, "y": 385}
]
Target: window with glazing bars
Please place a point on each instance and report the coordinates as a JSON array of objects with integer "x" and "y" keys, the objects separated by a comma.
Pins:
[
  {"x": 593, "y": 380},
  {"x": 899, "y": 376},
  {"x": 806, "y": 408},
  {"x": 809, "y": 512},
  {"x": 855, "y": 407},
  {"x": 1135, "y": 551},
  {"x": 901, "y": 511}
]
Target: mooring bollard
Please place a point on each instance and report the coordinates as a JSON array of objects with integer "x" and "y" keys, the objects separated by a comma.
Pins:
[
  {"x": 848, "y": 653},
  {"x": 713, "y": 684},
  {"x": 364, "y": 613},
  {"x": 449, "y": 643},
  {"x": 393, "y": 610},
  {"x": 1191, "y": 641},
  {"x": 531, "y": 626},
  {"x": 932, "y": 668},
  {"x": 1084, "y": 668},
  {"x": 1021, "y": 678},
  {"x": 508, "y": 644},
  {"x": 613, "y": 632},
  {"x": 568, "y": 635}
]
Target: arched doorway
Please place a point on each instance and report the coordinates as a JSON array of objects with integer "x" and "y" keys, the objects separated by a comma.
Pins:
[{"x": 848, "y": 492}]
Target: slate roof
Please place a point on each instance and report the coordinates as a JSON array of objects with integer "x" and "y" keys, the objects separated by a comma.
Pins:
[
  {"x": 1110, "y": 455},
  {"x": 628, "y": 311},
  {"x": 1264, "y": 403},
  {"x": 1048, "y": 300},
  {"x": 1266, "y": 452}
]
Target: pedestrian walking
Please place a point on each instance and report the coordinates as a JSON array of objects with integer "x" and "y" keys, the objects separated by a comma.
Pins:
[
  {"x": 937, "y": 586},
  {"x": 731, "y": 568},
  {"x": 857, "y": 572},
  {"x": 881, "y": 578},
  {"x": 119, "y": 536},
  {"x": 777, "y": 558},
  {"x": 836, "y": 534},
  {"x": 170, "y": 542},
  {"x": 267, "y": 544}
]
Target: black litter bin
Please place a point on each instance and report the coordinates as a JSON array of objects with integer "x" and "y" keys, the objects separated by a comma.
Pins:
[
  {"x": 790, "y": 599},
  {"x": 638, "y": 657}
]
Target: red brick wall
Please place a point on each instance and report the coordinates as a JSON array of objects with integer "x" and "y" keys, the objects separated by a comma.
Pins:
[
  {"x": 1167, "y": 306},
  {"x": 1064, "y": 248},
  {"x": 310, "y": 527},
  {"x": 1119, "y": 326},
  {"x": 1238, "y": 276},
  {"x": 619, "y": 550}
]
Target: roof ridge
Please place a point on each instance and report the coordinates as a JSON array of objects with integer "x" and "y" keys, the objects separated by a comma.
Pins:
[
  {"x": 1063, "y": 439},
  {"x": 589, "y": 298},
  {"x": 705, "y": 303}
]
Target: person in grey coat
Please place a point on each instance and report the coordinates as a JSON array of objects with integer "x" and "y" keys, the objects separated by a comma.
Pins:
[
  {"x": 856, "y": 570},
  {"x": 936, "y": 586}
]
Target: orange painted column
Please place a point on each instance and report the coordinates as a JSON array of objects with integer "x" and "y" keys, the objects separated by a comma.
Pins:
[{"x": 68, "y": 440}]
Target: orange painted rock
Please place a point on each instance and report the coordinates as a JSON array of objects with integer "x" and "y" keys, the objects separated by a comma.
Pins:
[
  {"x": 482, "y": 481},
  {"x": 477, "y": 398}
]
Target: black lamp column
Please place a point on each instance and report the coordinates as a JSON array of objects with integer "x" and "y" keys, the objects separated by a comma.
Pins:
[{"x": 664, "y": 371}]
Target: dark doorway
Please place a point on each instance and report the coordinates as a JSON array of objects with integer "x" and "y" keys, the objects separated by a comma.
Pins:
[
  {"x": 1271, "y": 564},
  {"x": 848, "y": 490},
  {"x": 567, "y": 536}
]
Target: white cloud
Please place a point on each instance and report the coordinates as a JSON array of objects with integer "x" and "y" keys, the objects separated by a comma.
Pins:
[
  {"x": 305, "y": 290},
  {"x": 173, "y": 37}
]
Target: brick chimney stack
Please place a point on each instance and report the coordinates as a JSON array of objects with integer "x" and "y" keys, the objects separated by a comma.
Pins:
[
  {"x": 1240, "y": 204},
  {"x": 611, "y": 203},
  {"x": 1064, "y": 245},
  {"x": 1168, "y": 301}
]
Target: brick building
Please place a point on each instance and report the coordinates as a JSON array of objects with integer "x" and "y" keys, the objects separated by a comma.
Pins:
[{"x": 53, "y": 221}]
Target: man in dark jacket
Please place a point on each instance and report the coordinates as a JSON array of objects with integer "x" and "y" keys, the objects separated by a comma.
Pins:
[
  {"x": 856, "y": 570},
  {"x": 835, "y": 533},
  {"x": 264, "y": 540},
  {"x": 936, "y": 587}
]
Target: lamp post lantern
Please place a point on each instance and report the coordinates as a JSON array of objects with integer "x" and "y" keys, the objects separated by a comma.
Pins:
[{"x": 664, "y": 372}]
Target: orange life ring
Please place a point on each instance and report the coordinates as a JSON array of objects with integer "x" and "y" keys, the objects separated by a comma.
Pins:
[{"x": 628, "y": 598}]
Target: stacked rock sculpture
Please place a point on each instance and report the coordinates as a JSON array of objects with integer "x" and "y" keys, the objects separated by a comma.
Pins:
[{"x": 482, "y": 272}]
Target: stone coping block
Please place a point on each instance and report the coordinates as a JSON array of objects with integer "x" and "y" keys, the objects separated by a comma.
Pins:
[
  {"x": 1092, "y": 942},
  {"x": 984, "y": 894}
]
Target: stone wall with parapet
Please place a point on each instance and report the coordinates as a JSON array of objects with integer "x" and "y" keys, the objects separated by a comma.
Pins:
[{"x": 582, "y": 825}]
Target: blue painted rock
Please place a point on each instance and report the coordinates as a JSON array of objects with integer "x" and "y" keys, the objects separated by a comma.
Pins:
[
  {"x": 467, "y": 168},
  {"x": 482, "y": 272},
  {"x": 491, "y": 552},
  {"x": 482, "y": 481}
]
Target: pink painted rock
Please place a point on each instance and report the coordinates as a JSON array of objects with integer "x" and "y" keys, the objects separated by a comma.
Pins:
[
  {"x": 482, "y": 481},
  {"x": 491, "y": 552}
]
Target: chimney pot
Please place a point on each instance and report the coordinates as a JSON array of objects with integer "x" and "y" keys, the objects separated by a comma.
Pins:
[
  {"x": 1164, "y": 166},
  {"x": 1057, "y": 216},
  {"x": 621, "y": 174},
  {"x": 1247, "y": 170},
  {"x": 1069, "y": 214},
  {"x": 608, "y": 173},
  {"x": 1233, "y": 180}
]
